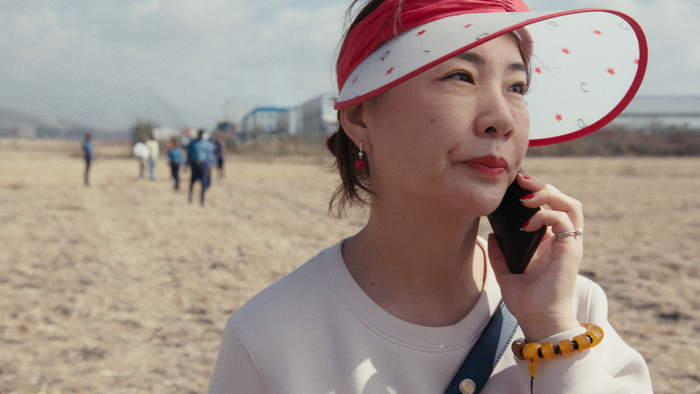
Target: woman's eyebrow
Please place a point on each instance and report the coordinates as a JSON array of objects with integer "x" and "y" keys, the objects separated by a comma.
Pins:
[
  {"x": 472, "y": 58},
  {"x": 518, "y": 66},
  {"x": 478, "y": 60}
]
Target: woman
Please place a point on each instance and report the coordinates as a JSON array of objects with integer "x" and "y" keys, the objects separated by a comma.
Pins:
[{"x": 432, "y": 142}]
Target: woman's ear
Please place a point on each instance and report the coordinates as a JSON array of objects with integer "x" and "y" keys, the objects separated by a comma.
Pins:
[{"x": 352, "y": 119}]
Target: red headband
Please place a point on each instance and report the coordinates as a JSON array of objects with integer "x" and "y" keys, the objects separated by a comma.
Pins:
[{"x": 382, "y": 24}]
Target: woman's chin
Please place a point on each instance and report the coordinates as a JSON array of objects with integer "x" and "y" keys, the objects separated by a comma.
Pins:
[{"x": 482, "y": 206}]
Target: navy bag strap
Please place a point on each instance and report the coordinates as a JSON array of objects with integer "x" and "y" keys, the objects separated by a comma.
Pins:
[{"x": 479, "y": 364}]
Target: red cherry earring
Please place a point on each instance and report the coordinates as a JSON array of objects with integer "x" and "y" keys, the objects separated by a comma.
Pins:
[{"x": 360, "y": 163}]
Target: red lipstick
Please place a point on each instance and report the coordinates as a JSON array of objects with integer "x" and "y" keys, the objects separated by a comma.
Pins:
[{"x": 491, "y": 166}]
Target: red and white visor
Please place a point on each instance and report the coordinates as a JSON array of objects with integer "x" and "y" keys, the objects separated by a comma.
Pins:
[{"x": 586, "y": 64}]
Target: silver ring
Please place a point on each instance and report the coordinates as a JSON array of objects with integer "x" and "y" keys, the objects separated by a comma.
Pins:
[{"x": 576, "y": 233}]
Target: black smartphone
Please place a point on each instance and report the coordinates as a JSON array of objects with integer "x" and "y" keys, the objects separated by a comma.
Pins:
[{"x": 517, "y": 246}]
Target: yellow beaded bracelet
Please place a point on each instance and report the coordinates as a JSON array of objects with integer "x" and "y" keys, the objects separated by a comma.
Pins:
[{"x": 534, "y": 352}]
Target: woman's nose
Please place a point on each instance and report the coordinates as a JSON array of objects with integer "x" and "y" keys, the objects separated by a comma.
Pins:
[{"x": 495, "y": 117}]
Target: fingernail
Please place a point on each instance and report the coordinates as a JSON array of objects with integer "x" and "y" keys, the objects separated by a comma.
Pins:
[
  {"x": 526, "y": 176},
  {"x": 524, "y": 225},
  {"x": 529, "y": 196}
]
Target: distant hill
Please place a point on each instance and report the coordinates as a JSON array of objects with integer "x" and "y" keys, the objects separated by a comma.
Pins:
[{"x": 15, "y": 124}]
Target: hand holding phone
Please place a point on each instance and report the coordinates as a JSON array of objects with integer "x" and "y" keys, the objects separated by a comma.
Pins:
[{"x": 517, "y": 246}]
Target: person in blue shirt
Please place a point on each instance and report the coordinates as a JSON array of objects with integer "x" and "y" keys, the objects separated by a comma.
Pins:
[
  {"x": 88, "y": 149},
  {"x": 199, "y": 157},
  {"x": 175, "y": 159}
]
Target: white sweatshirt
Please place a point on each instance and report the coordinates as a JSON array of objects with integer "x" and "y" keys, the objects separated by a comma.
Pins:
[{"x": 316, "y": 331}]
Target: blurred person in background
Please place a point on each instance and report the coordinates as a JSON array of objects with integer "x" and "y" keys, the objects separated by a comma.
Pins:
[
  {"x": 154, "y": 149},
  {"x": 175, "y": 160},
  {"x": 142, "y": 154},
  {"x": 89, "y": 152},
  {"x": 199, "y": 158},
  {"x": 220, "y": 153}
]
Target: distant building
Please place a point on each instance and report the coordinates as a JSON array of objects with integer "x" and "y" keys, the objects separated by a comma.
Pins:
[
  {"x": 288, "y": 122},
  {"x": 261, "y": 120},
  {"x": 645, "y": 112},
  {"x": 317, "y": 116}
]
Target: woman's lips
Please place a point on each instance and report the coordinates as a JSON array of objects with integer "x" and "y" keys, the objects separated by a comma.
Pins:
[{"x": 491, "y": 166}]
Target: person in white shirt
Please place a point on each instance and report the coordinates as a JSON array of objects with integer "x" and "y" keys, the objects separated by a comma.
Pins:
[
  {"x": 154, "y": 148},
  {"x": 435, "y": 119}
]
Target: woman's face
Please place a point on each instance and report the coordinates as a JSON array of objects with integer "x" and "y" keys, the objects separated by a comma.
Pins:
[{"x": 454, "y": 135}]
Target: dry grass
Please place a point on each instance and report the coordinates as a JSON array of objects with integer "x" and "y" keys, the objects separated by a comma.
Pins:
[{"x": 125, "y": 288}]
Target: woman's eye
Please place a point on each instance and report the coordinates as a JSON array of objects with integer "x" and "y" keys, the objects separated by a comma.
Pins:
[
  {"x": 462, "y": 76},
  {"x": 519, "y": 88}
]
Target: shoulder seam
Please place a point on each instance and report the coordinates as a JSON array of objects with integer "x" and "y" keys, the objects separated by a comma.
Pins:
[{"x": 250, "y": 356}]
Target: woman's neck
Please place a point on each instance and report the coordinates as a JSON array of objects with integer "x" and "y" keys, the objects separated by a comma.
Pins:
[{"x": 422, "y": 268}]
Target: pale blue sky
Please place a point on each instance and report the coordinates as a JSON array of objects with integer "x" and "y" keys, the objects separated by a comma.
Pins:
[{"x": 190, "y": 62}]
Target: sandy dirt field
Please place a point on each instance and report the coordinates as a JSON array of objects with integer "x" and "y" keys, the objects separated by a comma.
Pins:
[{"x": 124, "y": 287}]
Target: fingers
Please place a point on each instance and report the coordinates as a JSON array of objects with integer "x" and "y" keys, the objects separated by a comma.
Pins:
[
  {"x": 559, "y": 222},
  {"x": 566, "y": 213}
]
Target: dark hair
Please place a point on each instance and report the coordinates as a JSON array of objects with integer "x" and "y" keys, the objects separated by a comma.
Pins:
[
  {"x": 355, "y": 186},
  {"x": 355, "y": 183}
]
